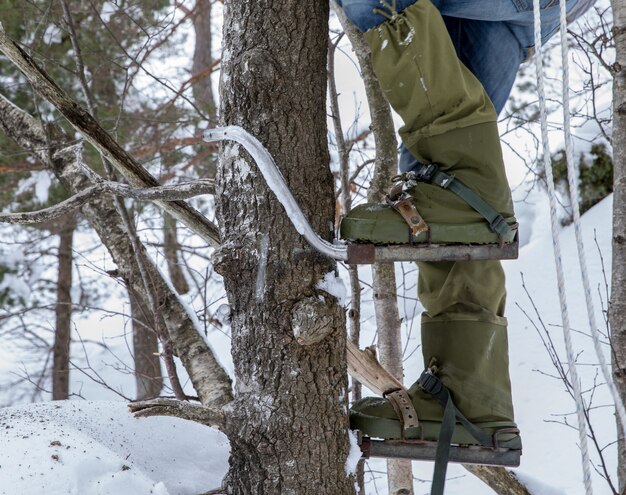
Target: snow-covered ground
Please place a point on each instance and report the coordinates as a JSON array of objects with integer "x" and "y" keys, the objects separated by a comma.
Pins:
[
  {"x": 98, "y": 448},
  {"x": 81, "y": 447}
]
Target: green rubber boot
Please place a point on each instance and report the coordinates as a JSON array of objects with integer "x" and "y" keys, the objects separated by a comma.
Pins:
[
  {"x": 471, "y": 359},
  {"x": 448, "y": 120}
]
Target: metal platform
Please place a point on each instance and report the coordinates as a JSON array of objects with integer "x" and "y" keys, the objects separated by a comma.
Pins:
[
  {"x": 425, "y": 451},
  {"x": 367, "y": 254}
]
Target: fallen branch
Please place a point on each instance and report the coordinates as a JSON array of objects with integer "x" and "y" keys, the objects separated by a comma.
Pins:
[
  {"x": 93, "y": 132},
  {"x": 208, "y": 416},
  {"x": 498, "y": 479}
]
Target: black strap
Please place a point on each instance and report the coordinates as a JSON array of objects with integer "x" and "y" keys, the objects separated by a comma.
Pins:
[
  {"x": 442, "y": 455},
  {"x": 432, "y": 174},
  {"x": 431, "y": 384}
]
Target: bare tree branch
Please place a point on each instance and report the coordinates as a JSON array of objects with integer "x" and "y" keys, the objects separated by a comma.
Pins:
[
  {"x": 165, "y": 193},
  {"x": 100, "y": 139},
  {"x": 208, "y": 377},
  {"x": 499, "y": 479},
  {"x": 198, "y": 413}
]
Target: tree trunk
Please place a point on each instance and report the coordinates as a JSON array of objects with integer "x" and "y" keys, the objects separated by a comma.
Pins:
[
  {"x": 399, "y": 472},
  {"x": 148, "y": 377},
  {"x": 171, "y": 247},
  {"x": 202, "y": 59},
  {"x": 291, "y": 399},
  {"x": 63, "y": 311},
  {"x": 617, "y": 308}
]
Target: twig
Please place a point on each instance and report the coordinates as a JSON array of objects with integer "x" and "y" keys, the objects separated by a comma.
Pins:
[
  {"x": 165, "y": 193},
  {"x": 85, "y": 123}
]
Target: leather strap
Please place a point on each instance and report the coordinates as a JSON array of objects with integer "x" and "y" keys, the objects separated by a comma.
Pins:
[
  {"x": 432, "y": 174},
  {"x": 404, "y": 205},
  {"x": 432, "y": 385},
  {"x": 403, "y": 406}
]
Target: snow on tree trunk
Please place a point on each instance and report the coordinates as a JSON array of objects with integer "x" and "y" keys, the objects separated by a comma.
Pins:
[
  {"x": 63, "y": 310},
  {"x": 290, "y": 398},
  {"x": 617, "y": 308}
]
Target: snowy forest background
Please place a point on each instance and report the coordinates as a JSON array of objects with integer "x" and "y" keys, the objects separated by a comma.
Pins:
[{"x": 149, "y": 71}]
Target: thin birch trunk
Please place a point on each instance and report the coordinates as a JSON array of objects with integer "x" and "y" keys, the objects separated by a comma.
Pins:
[
  {"x": 399, "y": 472},
  {"x": 354, "y": 315},
  {"x": 148, "y": 377},
  {"x": 208, "y": 377},
  {"x": 617, "y": 308},
  {"x": 171, "y": 247},
  {"x": 63, "y": 311}
]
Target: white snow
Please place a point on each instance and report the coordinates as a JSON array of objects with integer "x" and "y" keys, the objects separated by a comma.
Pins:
[
  {"x": 99, "y": 448},
  {"x": 40, "y": 181},
  {"x": 355, "y": 454},
  {"x": 262, "y": 267},
  {"x": 335, "y": 286}
]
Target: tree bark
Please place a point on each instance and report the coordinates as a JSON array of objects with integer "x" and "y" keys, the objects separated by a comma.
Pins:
[
  {"x": 202, "y": 67},
  {"x": 617, "y": 308},
  {"x": 498, "y": 479},
  {"x": 63, "y": 312},
  {"x": 148, "y": 377},
  {"x": 171, "y": 247},
  {"x": 290, "y": 399}
]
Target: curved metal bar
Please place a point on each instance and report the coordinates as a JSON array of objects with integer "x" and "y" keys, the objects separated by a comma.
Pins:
[{"x": 276, "y": 182}]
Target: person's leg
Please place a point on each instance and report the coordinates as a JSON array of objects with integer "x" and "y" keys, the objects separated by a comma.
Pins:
[
  {"x": 448, "y": 120},
  {"x": 492, "y": 51}
]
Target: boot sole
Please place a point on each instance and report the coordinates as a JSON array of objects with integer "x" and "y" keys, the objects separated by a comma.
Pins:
[
  {"x": 389, "y": 429},
  {"x": 380, "y": 224}
]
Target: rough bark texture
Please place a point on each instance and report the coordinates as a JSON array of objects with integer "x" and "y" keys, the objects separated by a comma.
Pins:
[
  {"x": 148, "y": 377},
  {"x": 290, "y": 400},
  {"x": 208, "y": 377},
  {"x": 63, "y": 312},
  {"x": 499, "y": 480},
  {"x": 617, "y": 308}
]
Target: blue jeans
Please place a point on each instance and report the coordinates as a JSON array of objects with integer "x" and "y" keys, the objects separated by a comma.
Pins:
[{"x": 492, "y": 38}]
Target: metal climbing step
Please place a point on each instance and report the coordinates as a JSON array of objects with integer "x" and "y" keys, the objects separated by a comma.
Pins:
[
  {"x": 364, "y": 254},
  {"x": 425, "y": 451},
  {"x": 349, "y": 252}
]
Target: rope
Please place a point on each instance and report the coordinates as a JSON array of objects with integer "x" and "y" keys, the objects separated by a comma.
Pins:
[
  {"x": 573, "y": 188},
  {"x": 582, "y": 429}
]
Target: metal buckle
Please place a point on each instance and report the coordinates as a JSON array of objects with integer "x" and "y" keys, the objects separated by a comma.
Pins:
[
  {"x": 426, "y": 173},
  {"x": 503, "y": 431},
  {"x": 430, "y": 383},
  {"x": 496, "y": 223},
  {"x": 403, "y": 204}
]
